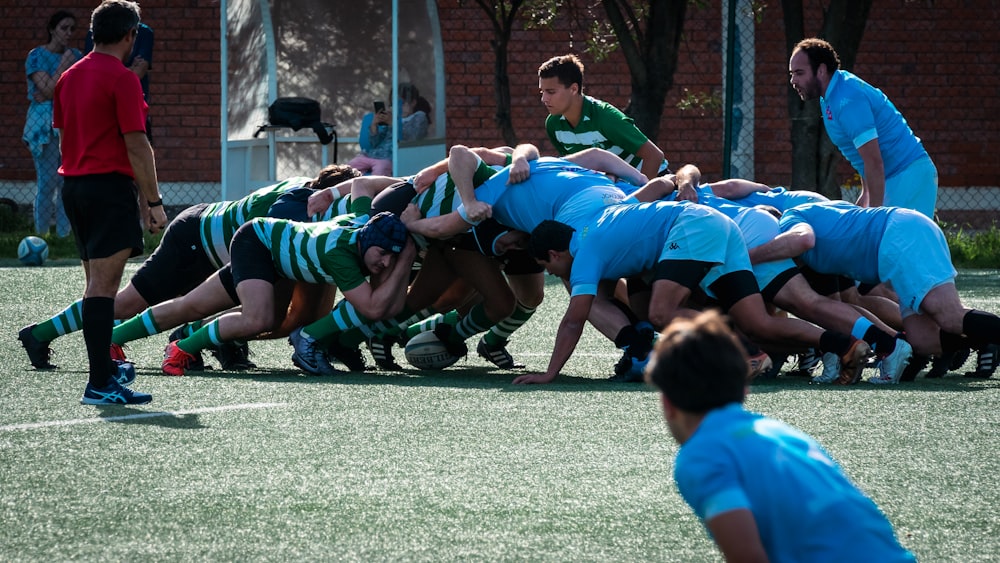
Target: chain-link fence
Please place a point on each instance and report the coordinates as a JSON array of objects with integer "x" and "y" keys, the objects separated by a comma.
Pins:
[{"x": 958, "y": 207}]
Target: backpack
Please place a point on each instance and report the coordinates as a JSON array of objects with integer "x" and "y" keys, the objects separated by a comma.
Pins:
[{"x": 298, "y": 113}]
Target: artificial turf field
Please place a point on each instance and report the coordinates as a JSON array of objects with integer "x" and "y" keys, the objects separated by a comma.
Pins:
[{"x": 456, "y": 465}]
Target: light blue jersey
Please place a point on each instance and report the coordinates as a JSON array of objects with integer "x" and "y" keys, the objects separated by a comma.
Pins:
[
  {"x": 847, "y": 237},
  {"x": 597, "y": 248},
  {"x": 781, "y": 199},
  {"x": 855, "y": 112},
  {"x": 555, "y": 190},
  {"x": 757, "y": 227},
  {"x": 805, "y": 508}
]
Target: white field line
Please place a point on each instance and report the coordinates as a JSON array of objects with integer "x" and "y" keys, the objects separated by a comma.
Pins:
[{"x": 46, "y": 424}]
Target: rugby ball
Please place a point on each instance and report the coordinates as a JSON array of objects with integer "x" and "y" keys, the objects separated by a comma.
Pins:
[
  {"x": 426, "y": 351},
  {"x": 32, "y": 251}
]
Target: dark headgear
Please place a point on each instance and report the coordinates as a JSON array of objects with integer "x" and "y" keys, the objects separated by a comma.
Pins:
[
  {"x": 384, "y": 230},
  {"x": 486, "y": 234}
]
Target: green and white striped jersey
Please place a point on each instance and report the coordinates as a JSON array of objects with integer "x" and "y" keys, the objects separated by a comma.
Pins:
[
  {"x": 442, "y": 198},
  {"x": 324, "y": 252},
  {"x": 220, "y": 220}
]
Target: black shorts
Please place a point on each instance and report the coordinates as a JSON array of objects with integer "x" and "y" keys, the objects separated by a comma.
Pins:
[
  {"x": 779, "y": 281},
  {"x": 825, "y": 284},
  {"x": 179, "y": 264},
  {"x": 103, "y": 210},
  {"x": 734, "y": 286},
  {"x": 520, "y": 262},
  {"x": 249, "y": 258}
]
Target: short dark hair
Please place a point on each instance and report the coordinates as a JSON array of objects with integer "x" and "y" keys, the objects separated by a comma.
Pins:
[
  {"x": 57, "y": 17},
  {"x": 819, "y": 52},
  {"x": 112, "y": 20},
  {"x": 333, "y": 174},
  {"x": 549, "y": 235},
  {"x": 699, "y": 364},
  {"x": 567, "y": 68}
]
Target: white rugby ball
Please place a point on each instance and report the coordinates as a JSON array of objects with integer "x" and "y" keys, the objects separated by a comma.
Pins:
[{"x": 426, "y": 351}]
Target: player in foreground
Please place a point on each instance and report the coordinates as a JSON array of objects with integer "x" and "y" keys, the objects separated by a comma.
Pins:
[{"x": 764, "y": 490}]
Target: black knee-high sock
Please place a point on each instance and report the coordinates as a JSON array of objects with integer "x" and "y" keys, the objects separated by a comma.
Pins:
[
  {"x": 98, "y": 320},
  {"x": 835, "y": 342},
  {"x": 981, "y": 327},
  {"x": 951, "y": 342},
  {"x": 882, "y": 342}
]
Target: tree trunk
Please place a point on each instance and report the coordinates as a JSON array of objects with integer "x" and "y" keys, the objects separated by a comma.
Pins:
[
  {"x": 501, "y": 86},
  {"x": 651, "y": 55}
]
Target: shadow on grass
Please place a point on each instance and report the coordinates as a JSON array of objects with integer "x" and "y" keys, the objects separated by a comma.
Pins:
[
  {"x": 472, "y": 377},
  {"x": 948, "y": 384}
]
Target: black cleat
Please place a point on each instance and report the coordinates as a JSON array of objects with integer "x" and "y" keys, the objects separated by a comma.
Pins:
[
  {"x": 381, "y": 351},
  {"x": 497, "y": 355},
  {"x": 233, "y": 355},
  {"x": 350, "y": 357},
  {"x": 38, "y": 351},
  {"x": 458, "y": 349},
  {"x": 986, "y": 363}
]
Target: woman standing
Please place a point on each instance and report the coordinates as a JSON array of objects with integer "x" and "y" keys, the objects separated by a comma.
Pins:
[{"x": 44, "y": 66}]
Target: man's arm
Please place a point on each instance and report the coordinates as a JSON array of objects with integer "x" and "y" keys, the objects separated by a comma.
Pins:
[
  {"x": 788, "y": 244},
  {"x": 873, "y": 182},
  {"x": 737, "y": 188},
  {"x": 656, "y": 189},
  {"x": 652, "y": 158},
  {"x": 609, "y": 163},
  {"x": 736, "y": 534},
  {"x": 385, "y": 296},
  {"x": 570, "y": 329},
  {"x": 462, "y": 165},
  {"x": 441, "y": 227},
  {"x": 688, "y": 178},
  {"x": 140, "y": 155},
  {"x": 519, "y": 167}
]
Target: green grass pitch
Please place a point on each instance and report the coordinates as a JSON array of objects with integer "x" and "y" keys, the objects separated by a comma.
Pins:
[{"x": 457, "y": 465}]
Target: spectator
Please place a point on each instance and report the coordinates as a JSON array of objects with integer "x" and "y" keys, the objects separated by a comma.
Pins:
[
  {"x": 375, "y": 136},
  {"x": 44, "y": 66}
]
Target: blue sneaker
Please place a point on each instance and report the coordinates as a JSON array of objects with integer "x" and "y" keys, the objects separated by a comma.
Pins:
[
  {"x": 113, "y": 394},
  {"x": 125, "y": 373}
]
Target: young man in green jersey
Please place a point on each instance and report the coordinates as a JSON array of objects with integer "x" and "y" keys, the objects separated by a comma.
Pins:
[{"x": 577, "y": 122}]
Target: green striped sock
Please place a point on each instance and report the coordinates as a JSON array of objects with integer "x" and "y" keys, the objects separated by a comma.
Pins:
[{"x": 68, "y": 320}]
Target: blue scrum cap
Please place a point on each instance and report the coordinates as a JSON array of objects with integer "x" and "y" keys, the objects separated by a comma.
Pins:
[{"x": 384, "y": 230}]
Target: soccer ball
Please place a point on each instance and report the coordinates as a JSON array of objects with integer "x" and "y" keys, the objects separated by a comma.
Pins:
[
  {"x": 426, "y": 351},
  {"x": 32, "y": 251}
]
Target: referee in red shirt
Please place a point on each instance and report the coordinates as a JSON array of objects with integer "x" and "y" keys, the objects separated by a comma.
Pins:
[{"x": 108, "y": 168}]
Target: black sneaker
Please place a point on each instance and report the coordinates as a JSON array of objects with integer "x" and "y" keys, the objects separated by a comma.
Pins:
[
  {"x": 381, "y": 351},
  {"x": 233, "y": 355},
  {"x": 350, "y": 357},
  {"x": 458, "y": 349},
  {"x": 497, "y": 355},
  {"x": 986, "y": 363},
  {"x": 38, "y": 351}
]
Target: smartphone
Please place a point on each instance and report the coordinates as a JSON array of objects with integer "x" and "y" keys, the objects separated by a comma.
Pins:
[{"x": 379, "y": 106}]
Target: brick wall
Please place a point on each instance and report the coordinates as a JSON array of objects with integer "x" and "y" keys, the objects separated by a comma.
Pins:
[
  {"x": 184, "y": 83},
  {"x": 937, "y": 61}
]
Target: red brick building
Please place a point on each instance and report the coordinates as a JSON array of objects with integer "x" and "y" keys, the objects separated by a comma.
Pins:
[{"x": 938, "y": 61}]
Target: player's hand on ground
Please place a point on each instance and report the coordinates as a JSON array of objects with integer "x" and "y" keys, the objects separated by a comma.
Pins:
[
  {"x": 529, "y": 378},
  {"x": 478, "y": 211}
]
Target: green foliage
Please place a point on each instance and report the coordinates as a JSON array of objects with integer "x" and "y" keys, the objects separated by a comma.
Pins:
[
  {"x": 973, "y": 249},
  {"x": 10, "y": 220},
  {"x": 705, "y": 103}
]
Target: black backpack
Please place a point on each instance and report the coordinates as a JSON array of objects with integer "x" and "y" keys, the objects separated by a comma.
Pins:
[{"x": 298, "y": 113}]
